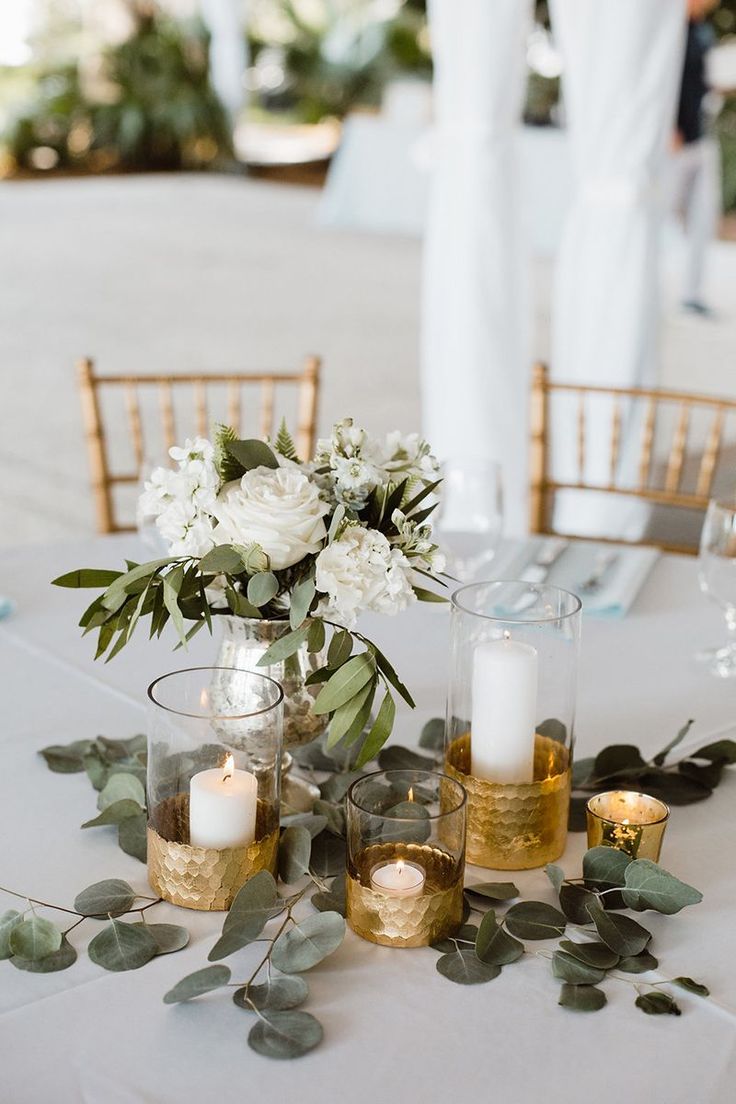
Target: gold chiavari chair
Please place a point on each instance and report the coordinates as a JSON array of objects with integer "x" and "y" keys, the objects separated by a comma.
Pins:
[
  {"x": 130, "y": 387},
  {"x": 656, "y": 484}
]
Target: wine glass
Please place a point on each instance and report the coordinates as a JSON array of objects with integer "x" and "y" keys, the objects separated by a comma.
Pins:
[
  {"x": 717, "y": 576},
  {"x": 470, "y": 519}
]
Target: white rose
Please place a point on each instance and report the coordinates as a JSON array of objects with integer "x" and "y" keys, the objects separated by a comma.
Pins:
[
  {"x": 277, "y": 508},
  {"x": 361, "y": 571}
]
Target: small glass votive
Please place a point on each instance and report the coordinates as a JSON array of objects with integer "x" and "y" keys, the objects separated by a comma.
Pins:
[
  {"x": 214, "y": 761},
  {"x": 629, "y": 821},
  {"x": 406, "y": 857},
  {"x": 510, "y": 718}
]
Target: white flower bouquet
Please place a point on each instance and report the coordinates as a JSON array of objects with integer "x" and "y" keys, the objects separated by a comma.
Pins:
[{"x": 254, "y": 532}]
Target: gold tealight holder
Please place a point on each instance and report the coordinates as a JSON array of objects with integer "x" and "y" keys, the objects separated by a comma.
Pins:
[
  {"x": 629, "y": 821},
  {"x": 406, "y": 850},
  {"x": 516, "y": 826},
  {"x": 510, "y": 713},
  {"x": 214, "y": 757}
]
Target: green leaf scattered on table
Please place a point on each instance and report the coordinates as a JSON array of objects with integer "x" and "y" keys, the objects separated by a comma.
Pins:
[{"x": 285, "y": 1034}]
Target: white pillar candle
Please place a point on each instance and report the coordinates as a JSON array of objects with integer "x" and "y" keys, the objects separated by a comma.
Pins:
[
  {"x": 398, "y": 879},
  {"x": 222, "y": 807},
  {"x": 504, "y": 711}
]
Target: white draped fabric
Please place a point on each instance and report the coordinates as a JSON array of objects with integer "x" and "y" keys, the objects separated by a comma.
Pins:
[
  {"x": 228, "y": 59},
  {"x": 474, "y": 320},
  {"x": 622, "y": 64}
]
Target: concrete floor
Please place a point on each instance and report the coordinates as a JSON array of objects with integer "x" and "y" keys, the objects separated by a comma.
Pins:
[{"x": 166, "y": 273}]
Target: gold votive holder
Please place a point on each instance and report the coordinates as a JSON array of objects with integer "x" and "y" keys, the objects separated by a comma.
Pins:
[
  {"x": 406, "y": 857},
  {"x": 629, "y": 821},
  {"x": 214, "y": 783},
  {"x": 204, "y": 878},
  {"x": 516, "y": 826}
]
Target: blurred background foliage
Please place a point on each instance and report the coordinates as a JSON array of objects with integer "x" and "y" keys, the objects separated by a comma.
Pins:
[{"x": 144, "y": 101}]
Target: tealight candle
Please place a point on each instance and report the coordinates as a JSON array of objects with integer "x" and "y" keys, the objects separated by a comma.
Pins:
[
  {"x": 629, "y": 821},
  {"x": 398, "y": 879},
  {"x": 502, "y": 729},
  {"x": 223, "y": 803}
]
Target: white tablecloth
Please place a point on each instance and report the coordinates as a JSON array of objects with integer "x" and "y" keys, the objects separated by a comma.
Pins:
[{"x": 394, "y": 1029}]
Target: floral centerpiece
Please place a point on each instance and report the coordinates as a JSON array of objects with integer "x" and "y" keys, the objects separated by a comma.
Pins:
[{"x": 290, "y": 550}]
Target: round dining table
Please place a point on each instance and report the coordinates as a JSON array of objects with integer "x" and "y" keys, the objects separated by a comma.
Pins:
[{"x": 394, "y": 1028}]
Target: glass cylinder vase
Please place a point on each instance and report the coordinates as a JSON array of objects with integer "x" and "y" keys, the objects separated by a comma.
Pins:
[
  {"x": 214, "y": 767},
  {"x": 510, "y": 718},
  {"x": 406, "y": 857}
]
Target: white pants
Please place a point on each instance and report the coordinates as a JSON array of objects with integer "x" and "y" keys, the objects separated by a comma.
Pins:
[{"x": 695, "y": 184}]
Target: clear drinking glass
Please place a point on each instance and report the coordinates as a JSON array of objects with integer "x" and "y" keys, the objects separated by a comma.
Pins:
[
  {"x": 470, "y": 518},
  {"x": 717, "y": 576}
]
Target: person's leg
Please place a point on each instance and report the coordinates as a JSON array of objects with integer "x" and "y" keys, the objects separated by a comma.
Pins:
[{"x": 701, "y": 218}]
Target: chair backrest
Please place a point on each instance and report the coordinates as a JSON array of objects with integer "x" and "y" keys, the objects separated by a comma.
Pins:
[
  {"x": 131, "y": 387},
  {"x": 661, "y": 485}
]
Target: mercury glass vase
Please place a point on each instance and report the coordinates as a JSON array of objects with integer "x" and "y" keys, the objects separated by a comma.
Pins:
[{"x": 244, "y": 642}]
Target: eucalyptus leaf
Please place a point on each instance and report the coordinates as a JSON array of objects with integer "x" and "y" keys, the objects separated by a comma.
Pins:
[
  {"x": 168, "y": 938},
  {"x": 591, "y": 953},
  {"x": 641, "y": 963},
  {"x": 657, "y": 1003},
  {"x": 252, "y": 454},
  {"x": 262, "y": 588},
  {"x": 577, "y": 820},
  {"x": 333, "y": 814},
  {"x": 582, "y": 998},
  {"x": 465, "y": 968},
  {"x": 555, "y": 874},
  {"x": 121, "y": 946},
  {"x": 201, "y": 981},
  {"x": 34, "y": 938},
  {"x": 8, "y": 921},
  {"x": 696, "y": 987},
  {"x": 313, "y": 823},
  {"x": 328, "y": 856},
  {"x": 302, "y": 596},
  {"x": 121, "y": 787},
  {"x": 133, "y": 837},
  {"x": 111, "y": 897},
  {"x": 617, "y": 758},
  {"x": 295, "y": 846},
  {"x": 58, "y": 960},
  {"x": 719, "y": 751},
  {"x": 605, "y": 867},
  {"x": 344, "y": 717},
  {"x": 432, "y": 735},
  {"x": 467, "y": 934},
  {"x": 622, "y": 934},
  {"x": 333, "y": 899},
  {"x": 495, "y": 946},
  {"x": 66, "y": 758},
  {"x": 316, "y": 638},
  {"x": 574, "y": 901},
  {"x": 401, "y": 758},
  {"x": 115, "y": 813},
  {"x": 308, "y": 942},
  {"x": 276, "y": 994},
  {"x": 650, "y": 886},
  {"x": 284, "y": 647},
  {"x": 87, "y": 577},
  {"x": 252, "y": 907},
  {"x": 494, "y": 891},
  {"x": 535, "y": 920},
  {"x": 553, "y": 729},
  {"x": 285, "y": 1034},
  {"x": 574, "y": 971}
]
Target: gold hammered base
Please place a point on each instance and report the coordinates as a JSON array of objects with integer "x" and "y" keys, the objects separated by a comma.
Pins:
[
  {"x": 406, "y": 921},
  {"x": 516, "y": 827},
  {"x": 204, "y": 878}
]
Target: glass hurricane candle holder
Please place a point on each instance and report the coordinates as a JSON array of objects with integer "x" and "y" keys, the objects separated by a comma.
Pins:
[
  {"x": 510, "y": 716},
  {"x": 214, "y": 760},
  {"x": 629, "y": 821},
  {"x": 406, "y": 857}
]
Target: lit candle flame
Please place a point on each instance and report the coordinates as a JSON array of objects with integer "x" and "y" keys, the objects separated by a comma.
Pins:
[
  {"x": 506, "y": 634},
  {"x": 228, "y": 769},
  {"x": 410, "y": 795},
  {"x": 399, "y": 866}
]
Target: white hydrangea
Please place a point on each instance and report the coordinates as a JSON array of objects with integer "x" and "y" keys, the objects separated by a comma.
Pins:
[
  {"x": 180, "y": 500},
  {"x": 360, "y": 571}
]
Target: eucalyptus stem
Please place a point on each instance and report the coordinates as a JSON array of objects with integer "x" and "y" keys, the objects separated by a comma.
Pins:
[{"x": 266, "y": 960}]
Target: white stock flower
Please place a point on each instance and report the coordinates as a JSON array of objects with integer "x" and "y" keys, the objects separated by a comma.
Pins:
[
  {"x": 180, "y": 500},
  {"x": 277, "y": 508},
  {"x": 361, "y": 571}
]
